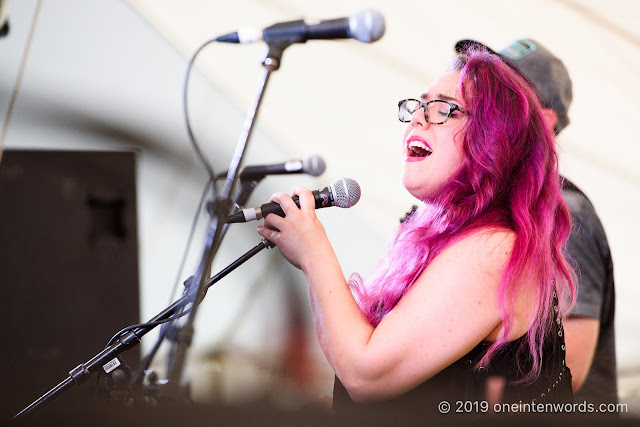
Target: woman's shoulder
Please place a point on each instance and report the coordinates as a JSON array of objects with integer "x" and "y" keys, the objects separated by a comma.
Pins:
[
  {"x": 492, "y": 234},
  {"x": 493, "y": 242},
  {"x": 476, "y": 259}
]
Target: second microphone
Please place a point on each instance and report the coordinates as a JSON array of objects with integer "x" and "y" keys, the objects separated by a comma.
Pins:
[{"x": 344, "y": 193}]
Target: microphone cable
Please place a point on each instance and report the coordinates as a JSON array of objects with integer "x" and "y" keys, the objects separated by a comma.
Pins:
[
  {"x": 146, "y": 361},
  {"x": 192, "y": 138},
  {"x": 144, "y": 364}
]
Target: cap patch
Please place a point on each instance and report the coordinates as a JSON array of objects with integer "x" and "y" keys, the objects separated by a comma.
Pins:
[{"x": 518, "y": 49}]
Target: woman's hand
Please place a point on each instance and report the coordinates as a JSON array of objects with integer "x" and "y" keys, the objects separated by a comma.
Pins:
[{"x": 300, "y": 236}]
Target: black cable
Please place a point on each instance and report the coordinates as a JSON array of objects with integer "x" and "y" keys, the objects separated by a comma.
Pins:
[
  {"x": 144, "y": 364},
  {"x": 190, "y": 239},
  {"x": 146, "y": 361},
  {"x": 210, "y": 182},
  {"x": 192, "y": 138},
  {"x": 137, "y": 377},
  {"x": 143, "y": 325}
]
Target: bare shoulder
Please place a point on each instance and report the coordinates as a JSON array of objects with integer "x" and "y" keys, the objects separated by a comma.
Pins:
[
  {"x": 453, "y": 303},
  {"x": 490, "y": 238},
  {"x": 490, "y": 247},
  {"x": 473, "y": 265}
]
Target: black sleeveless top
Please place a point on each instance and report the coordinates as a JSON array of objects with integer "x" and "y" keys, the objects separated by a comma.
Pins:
[{"x": 460, "y": 382}]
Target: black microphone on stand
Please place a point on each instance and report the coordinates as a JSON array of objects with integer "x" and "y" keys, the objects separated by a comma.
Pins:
[
  {"x": 344, "y": 193},
  {"x": 366, "y": 26},
  {"x": 311, "y": 165}
]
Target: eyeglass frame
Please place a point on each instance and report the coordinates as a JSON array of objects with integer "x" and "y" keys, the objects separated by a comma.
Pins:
[{"x": 452, "y": 107}]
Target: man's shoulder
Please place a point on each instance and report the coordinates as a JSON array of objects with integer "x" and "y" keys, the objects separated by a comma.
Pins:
[{"x": 580, "y": 207}]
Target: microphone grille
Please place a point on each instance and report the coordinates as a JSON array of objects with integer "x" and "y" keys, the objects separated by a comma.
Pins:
[
  {"x": 366, "y": 25},
  {"x": 313, "y": 165},
  {"x": 346, "y": 192}
]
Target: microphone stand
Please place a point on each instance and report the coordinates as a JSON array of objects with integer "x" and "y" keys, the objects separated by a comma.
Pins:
[
  {"x": 184, "y": 334},
  {"x": 221, "y": 209},
  {"x": 83, "y": 372}
]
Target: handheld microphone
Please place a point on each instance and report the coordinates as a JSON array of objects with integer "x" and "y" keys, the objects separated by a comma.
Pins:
[
  {"x": 366, "y": 26},
  {"x": 311, "y": 165},
  {"x": 344, "y": 193}
]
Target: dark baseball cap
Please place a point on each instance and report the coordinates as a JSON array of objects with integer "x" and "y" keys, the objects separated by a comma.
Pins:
[{"x": 544, "y": 70}]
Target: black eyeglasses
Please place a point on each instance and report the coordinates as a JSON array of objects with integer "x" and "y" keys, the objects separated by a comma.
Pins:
[{"x": 436, "y": 112}]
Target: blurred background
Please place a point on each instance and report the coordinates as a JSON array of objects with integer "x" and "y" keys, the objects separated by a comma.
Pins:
[{"x": 109, "y": 76}]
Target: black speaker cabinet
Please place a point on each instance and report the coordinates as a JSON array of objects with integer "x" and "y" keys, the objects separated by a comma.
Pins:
[{"x": 68, "y": 266}]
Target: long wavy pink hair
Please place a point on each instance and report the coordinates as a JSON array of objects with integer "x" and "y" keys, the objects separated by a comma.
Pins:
[{"x": 508, "y": 179}]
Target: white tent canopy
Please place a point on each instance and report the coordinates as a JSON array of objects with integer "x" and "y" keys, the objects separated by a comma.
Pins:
[{"x": 338, "y": 98}]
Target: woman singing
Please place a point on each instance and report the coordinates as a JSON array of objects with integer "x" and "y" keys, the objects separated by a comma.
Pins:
[{"x": 465, "y": 304}]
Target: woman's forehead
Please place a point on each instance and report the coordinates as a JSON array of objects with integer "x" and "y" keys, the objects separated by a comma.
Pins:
[{"x": 444, "y": 87}]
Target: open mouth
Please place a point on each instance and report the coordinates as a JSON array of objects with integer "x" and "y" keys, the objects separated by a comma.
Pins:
[{"x": 418, "y": 148}]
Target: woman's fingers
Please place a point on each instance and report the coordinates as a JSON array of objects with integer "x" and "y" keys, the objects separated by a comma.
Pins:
[
  {"x": 298, "y": 232},
  {"x": 306, "y": 199},
  {"x": 294, "y": 221},
  {"x": 285, "y": 201},
  {"x": 275, "y": 222},
  {"x": 269, "y": 234}
]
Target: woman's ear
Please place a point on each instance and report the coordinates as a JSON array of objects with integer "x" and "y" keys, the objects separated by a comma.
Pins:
[{"x": 550, "y": 118}]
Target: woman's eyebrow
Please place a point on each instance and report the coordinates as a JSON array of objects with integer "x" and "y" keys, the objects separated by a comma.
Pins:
[
  {"x": 448, "y": 98},
  {"x": 442, "y": 96}
]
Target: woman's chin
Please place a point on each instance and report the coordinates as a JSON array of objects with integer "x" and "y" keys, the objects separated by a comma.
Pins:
[{"x": 415, "y": 190}]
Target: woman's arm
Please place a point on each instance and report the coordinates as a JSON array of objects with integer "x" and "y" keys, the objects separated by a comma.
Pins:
[{"x": 449, "y": 310}]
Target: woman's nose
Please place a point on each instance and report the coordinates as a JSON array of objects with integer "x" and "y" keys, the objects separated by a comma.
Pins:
[{"x": 418, "y": 118}]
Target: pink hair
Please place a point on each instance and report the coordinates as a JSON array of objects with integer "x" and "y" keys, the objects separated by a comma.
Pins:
[{"x": 509, "y": 179}]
